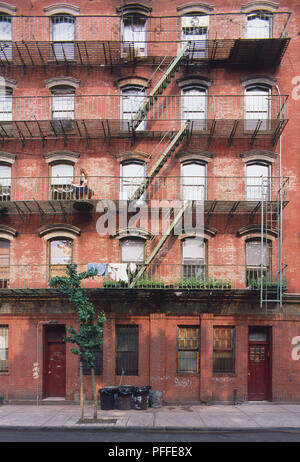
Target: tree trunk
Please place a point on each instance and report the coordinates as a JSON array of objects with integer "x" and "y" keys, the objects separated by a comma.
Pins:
[
  {"x": 95, "y": 394},
  {"x": 81, "y": 393}
]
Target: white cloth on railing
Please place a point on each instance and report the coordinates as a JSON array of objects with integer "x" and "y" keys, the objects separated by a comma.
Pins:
[
  {"x": 132, "y": 268},
  {"x": 102, "y": 268},
  {"x": 118, "y": 271}
]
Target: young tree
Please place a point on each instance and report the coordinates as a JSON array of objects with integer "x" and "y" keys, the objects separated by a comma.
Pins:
[{"x": 89, "y": 335}]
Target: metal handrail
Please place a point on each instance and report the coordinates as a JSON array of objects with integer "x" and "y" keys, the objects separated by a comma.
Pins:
[{"x": 64, "y": 188}]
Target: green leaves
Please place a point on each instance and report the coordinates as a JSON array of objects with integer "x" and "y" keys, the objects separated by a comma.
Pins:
[{"x": 89, "y": 335}]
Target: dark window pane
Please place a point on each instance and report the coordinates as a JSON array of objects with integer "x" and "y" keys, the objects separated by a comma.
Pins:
[
  {"x": 223, "y": 356},
  {"x": 188, "y": 342},
  {"x": 3, "y": 348},
  {"x": 127, "y": 350}
]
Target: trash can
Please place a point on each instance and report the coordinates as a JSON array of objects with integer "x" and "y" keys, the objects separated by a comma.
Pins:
[
  {"x": 141, "y": 398},
  {"x": 155, "y": 398},
  {"x": 125, "y": 397},
  {"x": 108, "y": 398}
]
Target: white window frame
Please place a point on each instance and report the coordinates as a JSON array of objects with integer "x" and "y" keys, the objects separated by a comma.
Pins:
[
  {"x": 258, "y": 187},
  {"x": 256, "y": 25},
  {"x": 265, "y": 258},
  {"x": 63, "y": 103},
  {"x": 130, "y": 184},
  {"x": 194, "y": 258},
  {"x": 195, "y": 22},
  {"x": 63, "y": 41},
  {"x": 59, "y": 267},
  {"x": 6, "y": 50},
  {"x": 5, "y": 182},
  {"x": 134, "y": 36},
  {"x": 194, "y": 187},
  {"x": 61, "y": 183},
  {"x": 194, "y": 106},
  {"x": 130, "y": 242},
  {"x": 132, "y": 97},
  {"x": 258, "y": 106},
  {"x": 6, "y": 104}
]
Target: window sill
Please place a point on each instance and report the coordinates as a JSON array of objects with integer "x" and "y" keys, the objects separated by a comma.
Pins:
[
  {"x": 187, "y": 373},
  {"x": 224, "y": 374}
]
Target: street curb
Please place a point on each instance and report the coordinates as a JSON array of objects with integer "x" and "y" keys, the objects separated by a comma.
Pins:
[{"x": 149, "y": 429}]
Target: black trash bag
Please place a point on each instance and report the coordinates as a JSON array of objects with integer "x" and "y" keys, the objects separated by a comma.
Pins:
[
  {"x": 108, "y": 397},
  {"x": 141, "y": 390},
  {"x": 125, "y": 397},
  {"x": 141, "y": 398}
]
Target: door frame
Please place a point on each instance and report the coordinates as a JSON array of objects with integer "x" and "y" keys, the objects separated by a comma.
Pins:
[
  {"x": 59, "y": 339},
  {"x": 268, "y": 343}
]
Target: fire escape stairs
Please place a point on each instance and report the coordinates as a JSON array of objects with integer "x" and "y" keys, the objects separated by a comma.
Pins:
[
  {"x": 159, "y": 88},
  {"x": 139, "y": 116}
]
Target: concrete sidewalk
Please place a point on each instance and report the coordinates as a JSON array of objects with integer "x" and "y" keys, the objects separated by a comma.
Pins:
[{"x": 247, "y": 416}]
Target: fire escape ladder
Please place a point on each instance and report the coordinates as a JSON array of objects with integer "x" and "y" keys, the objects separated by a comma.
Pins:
[
  {"x": 165, "y": 80},
  {"x": 177, "y": 139},
  {"x": 160, "y": 244}
]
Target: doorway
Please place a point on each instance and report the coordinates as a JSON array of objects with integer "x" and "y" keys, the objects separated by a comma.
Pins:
[
  {"x": 55, "y": 362},
  {"x": 259, "y": 364}
]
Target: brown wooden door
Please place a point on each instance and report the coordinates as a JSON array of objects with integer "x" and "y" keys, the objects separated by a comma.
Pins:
[
  {"x": 258, "y": 371},
  {"x": 55, "y": 370}
]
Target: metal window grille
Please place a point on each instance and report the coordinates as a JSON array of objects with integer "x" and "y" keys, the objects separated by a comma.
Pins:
[
  {"x": 188, "y": 347},
  {"x": 3, "y": 348},
  {"x": 127, "y": 350},
  {"x": 224, "y": 346}
]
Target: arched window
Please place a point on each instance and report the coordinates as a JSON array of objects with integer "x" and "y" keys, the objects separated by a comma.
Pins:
[
  {"x": 195, "y": 32},
  {"x": 132, "y": 99},
  {"x": 4, "y": 263},
  {"x": 194, "y": 106},
  {"x": 194, "y": 258},
  {"x": 132, "y": 174},
  {"x": 132, "y": 250},
  {"x": 259, "y": 25},
  {"x": 5, "y": 38},
  {"x": 60, "y": 255},
  {"x": 257, "y": 107},
  {"x": 62, "y": 176},
  {"x": 258, "y": 181},
  {"x": 258, "y": 260},
  {"x": 193, "y": 180},
  {"x": 62, "y": 37}
]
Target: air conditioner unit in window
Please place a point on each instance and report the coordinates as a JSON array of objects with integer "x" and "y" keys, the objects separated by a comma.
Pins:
[
  {"x": 194, "y": 21},
  {"x": 130, "y": 51}
]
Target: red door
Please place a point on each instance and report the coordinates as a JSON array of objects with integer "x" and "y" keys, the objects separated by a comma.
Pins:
[
  {"x": 258, "y": 371},
  {"x": 55, "y": 369}
]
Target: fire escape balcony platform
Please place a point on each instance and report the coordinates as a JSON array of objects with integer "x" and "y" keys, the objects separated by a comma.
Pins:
[
  {"x": 232, "y": 280},
  {"x": 109, "y": 53},
  {"x": 108, "y": 129},
  {"x": 71, "y": 206},
  {"x": 257, "y": 52}
]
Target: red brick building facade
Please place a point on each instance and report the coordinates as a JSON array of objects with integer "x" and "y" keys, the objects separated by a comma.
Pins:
[{"x": 186, "y": 107}]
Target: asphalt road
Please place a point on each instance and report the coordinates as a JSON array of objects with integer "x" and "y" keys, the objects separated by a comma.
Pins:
[{"x": 46, "y": 436}]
